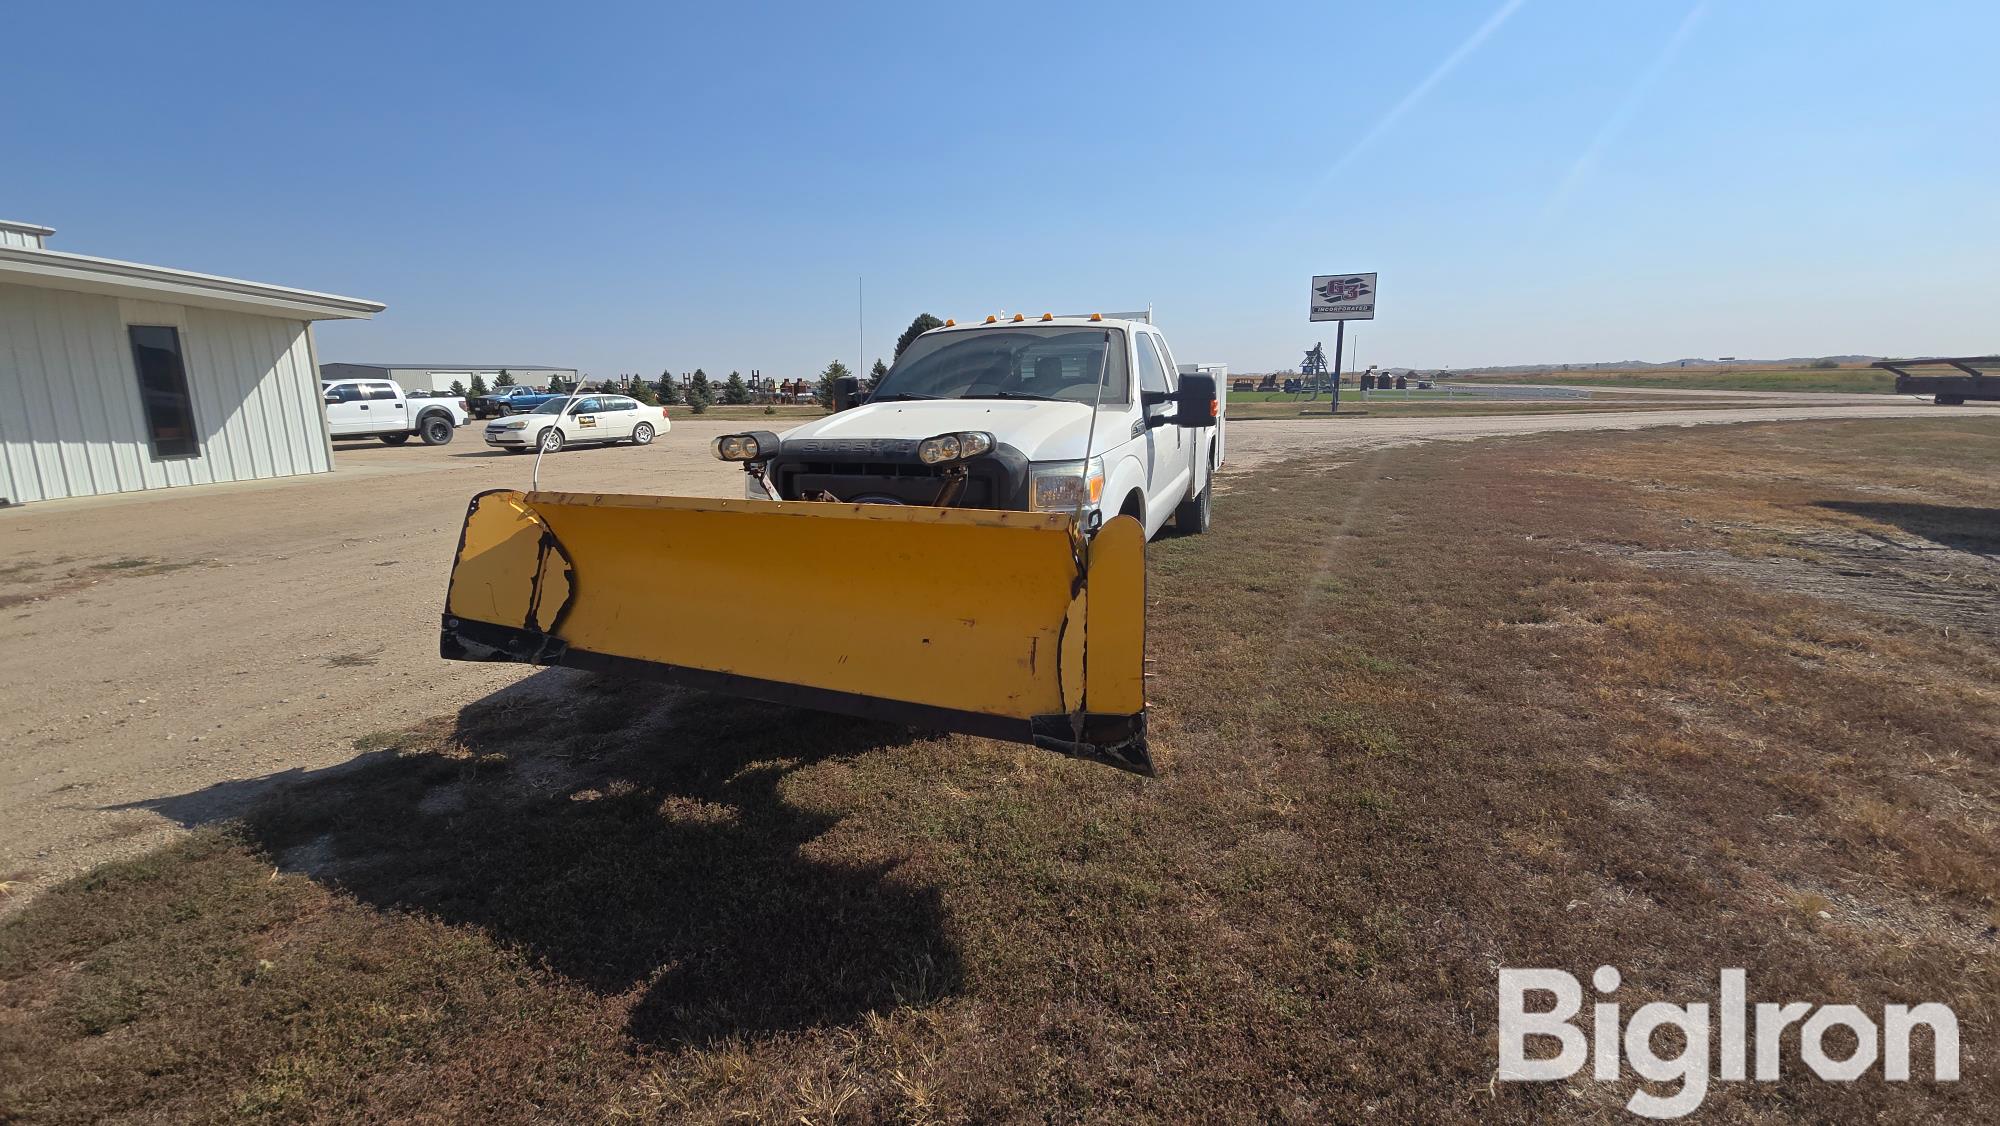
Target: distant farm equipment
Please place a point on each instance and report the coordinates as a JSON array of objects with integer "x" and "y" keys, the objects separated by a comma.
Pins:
[{"x": 1950, "y": 382}]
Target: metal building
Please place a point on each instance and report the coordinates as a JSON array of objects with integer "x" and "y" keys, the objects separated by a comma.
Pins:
[
  {"x": 440, "y": 377},
  {"x": 116, "y": 376}
]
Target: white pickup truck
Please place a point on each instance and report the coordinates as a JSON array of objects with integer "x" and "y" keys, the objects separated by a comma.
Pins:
[
  {"x": 379, "y": 408},
  {"x": 1074, "y": 413}
]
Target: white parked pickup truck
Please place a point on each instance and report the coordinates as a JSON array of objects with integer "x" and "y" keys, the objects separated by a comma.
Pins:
[
  {"x": 1069, "y": 413},
  {"x": 379, "y": 408}
]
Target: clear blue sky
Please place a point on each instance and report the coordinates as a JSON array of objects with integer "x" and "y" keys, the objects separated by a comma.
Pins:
[{"x": 628, "y": 187}]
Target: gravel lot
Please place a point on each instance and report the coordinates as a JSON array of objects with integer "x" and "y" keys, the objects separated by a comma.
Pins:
[{"x": 155, "y": 644}]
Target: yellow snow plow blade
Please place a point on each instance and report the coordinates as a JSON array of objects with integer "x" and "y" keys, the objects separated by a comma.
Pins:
[{"x": 960, "y": 619}]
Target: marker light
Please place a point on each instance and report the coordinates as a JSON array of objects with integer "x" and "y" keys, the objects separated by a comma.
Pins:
[
  {"x": 948, "y": 322},
  {"x": 1048, "y": 316},
  {"x": 954, "y": 447},
  {"x": 1019, "y": 317},
  {"x": 1097, "y": 316},
  {"x": 990, "y": 318}
]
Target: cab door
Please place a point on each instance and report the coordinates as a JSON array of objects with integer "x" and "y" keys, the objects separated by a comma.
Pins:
[
  {"x": 344, "y": 402},
  {"x": 586, "y": 421},
  {"x": 1166, "y": 445},
  {"x": 385, "y": 410},
  {"x": 619, "y": 416}
]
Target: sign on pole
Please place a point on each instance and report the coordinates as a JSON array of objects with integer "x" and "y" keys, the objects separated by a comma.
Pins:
[{"x": 1343, "y": 297}]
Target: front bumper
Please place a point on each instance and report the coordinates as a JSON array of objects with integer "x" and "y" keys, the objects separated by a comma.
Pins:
[{"x": 495, "y": 436}]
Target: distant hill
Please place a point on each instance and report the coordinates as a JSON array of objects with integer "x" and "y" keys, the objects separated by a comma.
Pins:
[
  {"x": 1689, "y": 364},
  {"x": 1793, "y": 363}
]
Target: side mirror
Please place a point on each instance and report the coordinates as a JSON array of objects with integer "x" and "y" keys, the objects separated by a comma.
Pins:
[
  {"x": 1196, "y": 403},
  {"x": 846, "y": 393},
  {"x": 332, "y": 398}
]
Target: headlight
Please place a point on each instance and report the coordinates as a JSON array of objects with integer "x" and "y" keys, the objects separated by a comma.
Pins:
[
  {"x": 755, "y": 446},
  {"x": 954, "y": 447},
  {"x": 521, "y": 425},
  {"x": 1061, "y": 486}
]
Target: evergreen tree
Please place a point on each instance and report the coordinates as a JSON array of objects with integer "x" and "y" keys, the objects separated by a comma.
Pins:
[
  {"x": 876, "y": 373},
  {"x": 734, "y": 391},
  {"x": 823, "y": 390},
  {"x": 478, "y": 385},
  {"x": 668, "y": 389},
  {"x": 923, "y": 324},
  {"x": 458, "y": 388},
  {"x": 700, "y": 392},
  {"x": 504, "y": 379},
  {"x": 641, "y": 390}
]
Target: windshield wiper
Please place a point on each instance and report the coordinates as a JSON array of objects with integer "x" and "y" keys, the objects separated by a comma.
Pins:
[
  {"x": 1015, "y": 395},
  {"x": 899, "y": 398}
]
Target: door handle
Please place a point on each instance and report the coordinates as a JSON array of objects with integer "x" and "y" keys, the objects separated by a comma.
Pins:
[{"x": 364, "y": 406}]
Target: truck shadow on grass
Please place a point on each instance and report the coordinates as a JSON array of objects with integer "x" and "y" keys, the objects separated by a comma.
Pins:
[
  {"x": 635, "y": 840},
  {"x": 1961, "y": 527}
]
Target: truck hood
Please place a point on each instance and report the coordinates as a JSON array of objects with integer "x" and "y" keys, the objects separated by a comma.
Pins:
[{"x": 1042, "y": 431}]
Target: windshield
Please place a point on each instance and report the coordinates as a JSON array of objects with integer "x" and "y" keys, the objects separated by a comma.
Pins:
[
  {"x": 1039, "y": 362},
  {"x": 553, "y": 406}
]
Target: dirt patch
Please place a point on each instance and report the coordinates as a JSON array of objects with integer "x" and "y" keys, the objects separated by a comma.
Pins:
[
  {"x": 27, "y": 581},
  {"x": 1930, "y": 583}
]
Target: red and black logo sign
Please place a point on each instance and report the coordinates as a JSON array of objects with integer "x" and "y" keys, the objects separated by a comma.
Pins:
[{"x": 1336, "y": 291}]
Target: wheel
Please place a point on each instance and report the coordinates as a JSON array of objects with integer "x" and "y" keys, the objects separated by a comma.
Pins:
[
  {"x": 436, "y": 429},
  {"x": 1948, "y": 400},
  {"x": 1191, "y": 517},
  {"x": 394, "y": 439},
  {"x": 642, "y": 434},
  {"x": 552, "y": 440}
]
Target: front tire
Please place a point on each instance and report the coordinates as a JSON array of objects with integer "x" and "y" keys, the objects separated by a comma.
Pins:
[
  {"x": 1947, "y": 400},
  {"x": 552, "y": 441},
  {"x": 394, "y": 439},
  {"x": 436, "y": 429},
  {"x": 642, "y": 434}
]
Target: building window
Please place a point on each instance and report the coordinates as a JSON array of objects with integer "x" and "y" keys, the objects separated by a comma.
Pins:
[{"x": 163, "y": 388}]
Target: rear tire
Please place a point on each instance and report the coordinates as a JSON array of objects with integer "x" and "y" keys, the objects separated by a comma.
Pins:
[
  {"x": 552, "y": 441},
  {"x": 436, "y": 429},
  {"x": 1192, "y": 517},
  {"x": 642, "y": 434},
  {"x": 1948, "y": 401},
  {"x": 394, "y": 439}
]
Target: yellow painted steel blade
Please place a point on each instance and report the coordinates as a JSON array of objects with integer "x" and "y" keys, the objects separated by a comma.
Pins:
[{"x": 965, "y": 619}]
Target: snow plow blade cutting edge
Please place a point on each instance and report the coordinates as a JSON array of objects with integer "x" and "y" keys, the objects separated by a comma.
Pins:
[{"x": 957, "y": 619}]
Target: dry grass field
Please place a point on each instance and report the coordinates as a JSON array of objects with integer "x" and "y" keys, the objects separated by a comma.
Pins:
[
  {"x": 1671, "y": 701},
  {"x": 1352, "y": 406}
]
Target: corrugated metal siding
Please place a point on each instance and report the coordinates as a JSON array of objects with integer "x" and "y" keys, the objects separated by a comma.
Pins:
[{"x": 71, "y": 421}]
